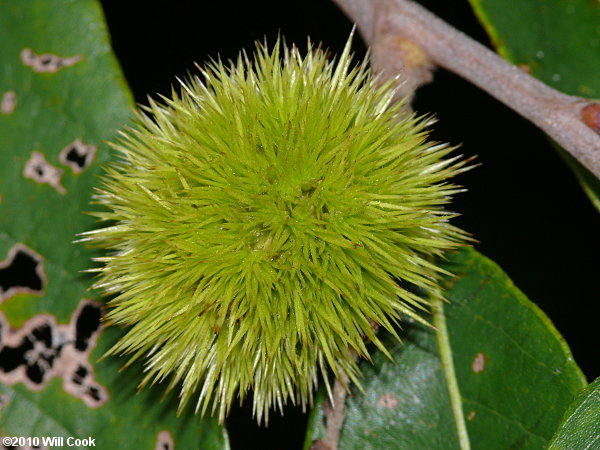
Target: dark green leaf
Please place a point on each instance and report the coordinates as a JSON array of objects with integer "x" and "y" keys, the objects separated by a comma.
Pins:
[
  {"x": 556, "y": 41},
  {"x": 515, "y": 375},
  {"x": 580, "y": 428},
  {"x": 63, "y": 95}
]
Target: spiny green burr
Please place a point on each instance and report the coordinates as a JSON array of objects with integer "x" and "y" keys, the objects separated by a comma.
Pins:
[{"x": 264, "y": 221}]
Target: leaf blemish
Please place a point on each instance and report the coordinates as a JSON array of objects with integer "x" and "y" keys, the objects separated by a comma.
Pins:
[
  {"x": 42, "y": 349},
  {"x": 47, "y": 62},
  {"x": 388, "y": 401},
  {"x": 77, "y": 155},
  {"x": 9, "y": 102},
  {"x": 164, "y": 441},
  {"x": 4, "y": 401},
  {"x": 471, "y": 415},
  {"x": 22, "y": 272},
  {"x": 479, "y": 361},
  {"x": 41, "y": 171}
]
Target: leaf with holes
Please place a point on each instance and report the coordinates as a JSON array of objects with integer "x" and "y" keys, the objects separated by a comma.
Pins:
[
  {"x": 497, "y": 375},
  {"x": 62, "y": 95},
  {"x": 557, "y": 42}
]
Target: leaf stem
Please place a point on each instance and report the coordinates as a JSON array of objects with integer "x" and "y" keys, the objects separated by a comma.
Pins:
[{"x": 439, "y": 321}]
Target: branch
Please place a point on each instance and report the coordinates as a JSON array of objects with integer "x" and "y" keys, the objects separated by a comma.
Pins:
[
  {"x": 405, "y": 37},
  {"x": 335, "y": 413}
]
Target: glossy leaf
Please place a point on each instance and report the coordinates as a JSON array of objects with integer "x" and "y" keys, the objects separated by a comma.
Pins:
[
  {"x": 514, "y": 373},
  {"x": 556, "y": 41},
  {"x": 580, "y": 428},
  {"x": 63, "y": 95}
]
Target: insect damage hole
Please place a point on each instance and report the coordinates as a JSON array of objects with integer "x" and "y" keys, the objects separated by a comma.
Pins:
[
  {"x": 9, "y": 102},
  {"x": 388, "y": 401},
  {"x": 22, "y": 272},
  {"x": 77, "y": 155},
  {"x": 87, "y": 324},
  {"x": 42, "y": 349},
  {"x": 164, "y": 441},
  {"x": 47, "y": 62},
  {"x": 41, "y": 171}
]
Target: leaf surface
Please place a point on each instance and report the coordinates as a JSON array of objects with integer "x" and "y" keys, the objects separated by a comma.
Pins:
[
  {"x": 513, "y": 372},
  {"x": 63, "y": 95},
  {"x": 580, "y": 428}
]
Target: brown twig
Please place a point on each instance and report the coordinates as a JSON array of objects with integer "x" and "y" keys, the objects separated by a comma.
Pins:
[
  {"x": 406, "y": 38},
  {"x": 335, "y": 415}
]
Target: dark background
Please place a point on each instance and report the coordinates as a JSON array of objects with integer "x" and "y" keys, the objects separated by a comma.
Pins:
[{"x": 523, "y": 205}]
